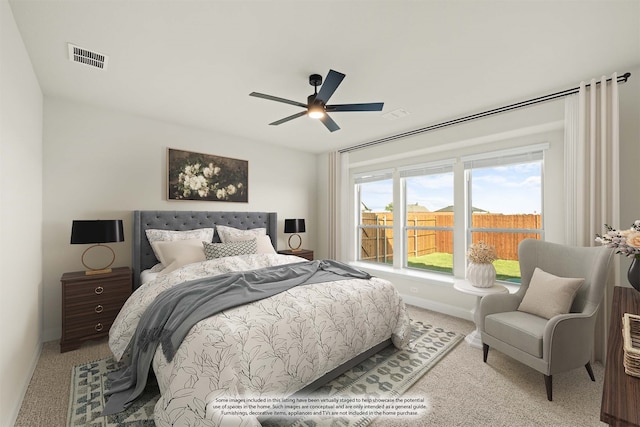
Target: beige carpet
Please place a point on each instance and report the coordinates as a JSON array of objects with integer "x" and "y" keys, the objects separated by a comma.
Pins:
[{"x": 460, "y": 389}]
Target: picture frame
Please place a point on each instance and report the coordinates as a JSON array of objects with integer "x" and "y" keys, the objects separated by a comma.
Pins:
[{"x": 206, "y": 177}]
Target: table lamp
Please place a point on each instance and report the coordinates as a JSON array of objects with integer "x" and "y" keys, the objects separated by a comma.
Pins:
[
  {"x": 294, "y": 226},
  {"x": 97, "y": 232}
]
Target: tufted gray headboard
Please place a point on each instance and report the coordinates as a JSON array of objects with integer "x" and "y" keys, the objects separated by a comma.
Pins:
[{"x": 143, "y": 256}]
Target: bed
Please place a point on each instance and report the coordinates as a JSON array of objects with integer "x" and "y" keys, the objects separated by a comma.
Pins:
[{"x": 289, "y": 343}]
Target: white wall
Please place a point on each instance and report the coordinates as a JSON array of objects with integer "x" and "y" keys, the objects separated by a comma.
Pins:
[
  {"x": 20, "y": 217},
  {"x": 629, "y": 158},
  {"x": 103, "y": 164}
]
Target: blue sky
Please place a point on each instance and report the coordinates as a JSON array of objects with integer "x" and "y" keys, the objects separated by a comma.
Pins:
[{"x": 513, "y": 189}]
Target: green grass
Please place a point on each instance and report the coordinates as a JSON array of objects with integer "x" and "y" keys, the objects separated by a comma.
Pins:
[
  {"x": 505, "y": 269},
  {"x": 438, "y": 261}
]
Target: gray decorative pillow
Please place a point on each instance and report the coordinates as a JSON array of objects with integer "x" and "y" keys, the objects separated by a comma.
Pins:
[
  {"x": 221, "y": 250},
  {"x": 549, "y": 295}
]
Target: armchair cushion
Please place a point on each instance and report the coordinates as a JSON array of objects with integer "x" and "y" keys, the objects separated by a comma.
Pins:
[
  {"x": 521, "y": 330},
  {"x": 549, "y": 295}
]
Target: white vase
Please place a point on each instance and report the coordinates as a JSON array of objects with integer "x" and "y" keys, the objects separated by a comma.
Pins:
[{"x": 481, "y": 275}]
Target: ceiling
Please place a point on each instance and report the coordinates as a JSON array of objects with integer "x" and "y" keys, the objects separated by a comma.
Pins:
[{"x": 195, "y": 62}]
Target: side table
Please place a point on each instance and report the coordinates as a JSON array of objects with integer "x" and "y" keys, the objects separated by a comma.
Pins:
[
  {"x": 90, "y": 304},
  {"x": 620, "y": 391},
  {"x": 474, "y": 339},
  {"x": 302, "y": 253}
]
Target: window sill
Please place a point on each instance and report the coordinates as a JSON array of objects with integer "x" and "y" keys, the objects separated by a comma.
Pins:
[{"x": 418, "y": 276}]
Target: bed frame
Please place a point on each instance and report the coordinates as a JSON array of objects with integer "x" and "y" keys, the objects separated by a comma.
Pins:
[{"x": 143, "y": 256}]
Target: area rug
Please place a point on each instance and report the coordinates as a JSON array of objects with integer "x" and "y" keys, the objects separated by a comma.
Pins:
[{"x": 373, "y": 383}]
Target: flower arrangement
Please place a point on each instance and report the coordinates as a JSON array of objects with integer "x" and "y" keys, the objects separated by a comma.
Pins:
[
  {"x": 481, "y": 253},
  {"x": 626, "y": 242}
]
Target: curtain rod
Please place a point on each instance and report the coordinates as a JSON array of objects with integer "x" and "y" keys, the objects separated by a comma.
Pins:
[{"x": 621, "y": 79}]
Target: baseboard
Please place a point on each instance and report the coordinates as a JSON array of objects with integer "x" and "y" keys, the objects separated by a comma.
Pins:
[
  {"x": 25, "y": 385},
  {"x": 448, "y": 309}
]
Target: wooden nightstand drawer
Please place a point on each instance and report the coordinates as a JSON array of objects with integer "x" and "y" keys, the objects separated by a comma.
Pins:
[
  {"x": 90, "y": 304},
  {"x": 302, "y": 253},
  {"x": 91, "y": 314},
  {"x": 86, "y": 296},
  {"x": 89, "y": 329},
  {"x": 99, "y": 289}
]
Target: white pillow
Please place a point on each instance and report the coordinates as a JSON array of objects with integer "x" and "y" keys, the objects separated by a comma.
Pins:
[
  {"x": 230, "y": 234},
  {"x": 175, "y": 254},
  {"x": 264, "y": 245},
  {"x": 156, "y": 235},
  {"x": 221, "y": 250},
  {"x": 156, "y": 268},
  {"x": 549, "y": 295}
]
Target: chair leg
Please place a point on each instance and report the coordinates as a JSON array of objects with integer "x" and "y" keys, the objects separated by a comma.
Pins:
[
  {"x": 548, "y": 384},
  {"x": 590, "y": 371},
  {"x": 485, "y": 352}
]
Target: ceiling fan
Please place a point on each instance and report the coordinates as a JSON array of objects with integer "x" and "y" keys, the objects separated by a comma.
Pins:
[{"x": 316, "y": 106}]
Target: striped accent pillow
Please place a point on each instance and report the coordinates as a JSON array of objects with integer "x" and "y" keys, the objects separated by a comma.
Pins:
[{"x": 221, "y": 250}]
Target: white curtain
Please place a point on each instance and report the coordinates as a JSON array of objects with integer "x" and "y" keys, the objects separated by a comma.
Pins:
[
  {"x": 592, "y": 176},
  {"x": 338, "y": 175}
]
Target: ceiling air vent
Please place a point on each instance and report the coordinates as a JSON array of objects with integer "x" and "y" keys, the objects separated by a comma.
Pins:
[
  {"x": 85, "y": 56},
  {"x": 396, "y": 114}
]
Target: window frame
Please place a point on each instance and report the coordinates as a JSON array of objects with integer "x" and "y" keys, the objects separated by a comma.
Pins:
[
  {"x": 425, "y": 169},
  {"x": 523, "y": 155},
  {"x": 363, "y": 178},
  {"x": 493, "y": 161},
  {"x": 462, "y": 228}
]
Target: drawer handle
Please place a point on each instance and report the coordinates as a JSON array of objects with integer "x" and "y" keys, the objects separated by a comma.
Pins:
[
  {"x": 99, "y": 327},
  {"x": 99, "y": 290},
  {"x": 99, "y": 308}
]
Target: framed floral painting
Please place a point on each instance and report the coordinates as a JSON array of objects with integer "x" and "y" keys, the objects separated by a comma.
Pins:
[{"x": 197, "y": 176}]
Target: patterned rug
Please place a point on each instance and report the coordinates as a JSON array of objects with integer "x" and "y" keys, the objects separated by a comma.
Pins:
[{"x": 370, "y": 389}]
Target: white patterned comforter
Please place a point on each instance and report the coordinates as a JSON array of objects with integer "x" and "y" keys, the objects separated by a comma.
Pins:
[{"x": 272, "y": 347}]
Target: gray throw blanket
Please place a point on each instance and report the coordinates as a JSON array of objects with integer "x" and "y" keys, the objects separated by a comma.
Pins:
[{"x": 173, "y": 313}]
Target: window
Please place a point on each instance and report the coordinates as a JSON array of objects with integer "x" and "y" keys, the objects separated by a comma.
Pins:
[
  {"x": 445, "y": 206},
  {"x": 374, "y": 195},
  {"x": 428, "y": 209},
  {"x": 504, "y": 205}
]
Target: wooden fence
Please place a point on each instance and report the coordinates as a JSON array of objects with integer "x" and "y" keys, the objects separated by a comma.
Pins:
[{"x": 377, "y": 243}]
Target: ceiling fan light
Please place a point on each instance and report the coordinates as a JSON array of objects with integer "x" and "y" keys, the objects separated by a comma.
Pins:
[{"x": 316, "y": 112}]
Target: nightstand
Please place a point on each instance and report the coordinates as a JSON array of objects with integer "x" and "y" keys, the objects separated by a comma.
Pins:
[
  {"x": 302, "y": 253},
  {"x": 90, "y": 304}
]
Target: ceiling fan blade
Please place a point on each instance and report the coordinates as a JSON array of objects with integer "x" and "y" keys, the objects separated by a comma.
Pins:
[
  {"x": 278, "y": 99},
  {"x": 286, "y": 119},
  {"x": 329, "y": 123},
  {"x": 329, "y": 86},
  {"x": 371, "y": 106}
]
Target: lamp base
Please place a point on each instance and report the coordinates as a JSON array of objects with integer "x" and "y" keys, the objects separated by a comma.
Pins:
[
  {"x": 101, "y": 271},
  {"x": 297, "y": 248}
]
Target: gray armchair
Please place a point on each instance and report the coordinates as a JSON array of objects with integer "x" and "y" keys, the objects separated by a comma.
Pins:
[{"x": 564, "y": 341}]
